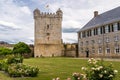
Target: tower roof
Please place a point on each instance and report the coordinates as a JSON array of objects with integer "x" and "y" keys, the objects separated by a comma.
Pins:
[{"x": 104, "y": 18}]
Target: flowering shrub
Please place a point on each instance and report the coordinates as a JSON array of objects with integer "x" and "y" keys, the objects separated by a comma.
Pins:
[
  {"x": 14, "y": 67},
  {"x": 4, "y": 65},
  {"x": 56, "y": 78},
  {"x": 78, "y": 76},
  {"x": 18, "y": 70},
  {"x": 96, "y": 70},
  {"x": 14, "y": 59}
]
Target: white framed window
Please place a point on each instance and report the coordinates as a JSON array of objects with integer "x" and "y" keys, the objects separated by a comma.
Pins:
[
  {"x": 93, "y": 50},
  {"x": 87, "y": 43},
  {"x": 107, "y": 50},
  {"x": 107, "y": 39},
  {"x": 81, "y": 43},
  {"x": 92, "y": 41},
  {"x": 117, "y": 49},
  {"x": 106, "y": 29},
  {"x": 115, "y": 26},
  {"x": 99, "y": 41},
  {"x": 99, "y": 31},
  {"x": 100, "y": 50},
  {"x": 81, "y": 35},
  {"x": 92, "y": 32},
  {"x": 81, "y": 50},
  {"x": 116, "y": 38}
]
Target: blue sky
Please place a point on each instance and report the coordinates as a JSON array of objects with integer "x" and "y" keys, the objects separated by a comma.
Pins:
[{"x": 17, "y": 24}]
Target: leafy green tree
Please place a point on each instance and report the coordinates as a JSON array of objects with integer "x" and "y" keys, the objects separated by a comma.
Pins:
[
  {"x": 21, "y": 48},
  {"x": 5, "y": 51}
]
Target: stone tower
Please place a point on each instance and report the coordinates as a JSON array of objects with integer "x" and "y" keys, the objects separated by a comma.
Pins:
[{"x": 48, "y": 33}]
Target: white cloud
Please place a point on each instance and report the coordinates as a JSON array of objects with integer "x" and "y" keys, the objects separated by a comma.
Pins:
[
  {"x": 76, "y": 13},
  {"x": 26, "y": 10},
  {"x": 8, "y": 24},
  {"x": 69, "y": 37},
  {"x": 18, "y": 17}
]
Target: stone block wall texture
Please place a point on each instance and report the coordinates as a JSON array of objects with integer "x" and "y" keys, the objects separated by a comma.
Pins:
[{"x": 48, "y": 33}]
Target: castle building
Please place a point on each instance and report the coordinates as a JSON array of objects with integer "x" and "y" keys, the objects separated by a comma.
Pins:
[
  {"x": 100, "y": 37},
  {"x": 48, "y": 33}
]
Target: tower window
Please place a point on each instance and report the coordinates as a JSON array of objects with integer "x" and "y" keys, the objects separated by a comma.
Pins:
[
  {"x": 48, "y": 26},
  {"x": 48, "y": 34}
]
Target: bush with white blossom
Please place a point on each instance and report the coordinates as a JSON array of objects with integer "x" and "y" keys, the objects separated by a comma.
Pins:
[{"x": 96, "y": 70}]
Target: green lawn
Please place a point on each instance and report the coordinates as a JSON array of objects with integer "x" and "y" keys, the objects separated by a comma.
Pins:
[{"x": 57, "y": 67}]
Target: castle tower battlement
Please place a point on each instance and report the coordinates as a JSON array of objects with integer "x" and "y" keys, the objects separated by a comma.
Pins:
[
  {"x": 48, "y": 33},
  {"x": 38, "y": 14}
]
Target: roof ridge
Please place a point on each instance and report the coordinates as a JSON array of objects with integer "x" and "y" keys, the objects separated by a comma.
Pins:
[{"x": 103, "y": 18}]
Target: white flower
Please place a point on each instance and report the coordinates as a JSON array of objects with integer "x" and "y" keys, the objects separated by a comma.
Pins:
[
  {"x": 100, "y": 75},
  {"x": 94, "y": 62},
  {"x": 110, "y": 75},
  {"x": 100, "y": 67},
  {"x": 78, "y": 78},
  {"x": 74, "y": 74},
  {"x": 92, "y": 58},
  {"x": 53, "y": 79},
  {"x": 105, "y": 71},
  {"x": 57, "y": 78},
  {"x": 89, "y": 60},
  {"x": 84, "y": 76},
  {"x": 84, "y": 68},
  {"x": 115, "y": 71},
  {"x": 93, "y": 68}
]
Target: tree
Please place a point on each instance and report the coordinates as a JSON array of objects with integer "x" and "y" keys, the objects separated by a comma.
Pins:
[
  {"x": 5, "y": 51},
  {"x": 21, "y": 48}
]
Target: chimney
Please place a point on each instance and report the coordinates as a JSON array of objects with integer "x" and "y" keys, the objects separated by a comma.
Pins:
[{"x": 95, "y": 13}]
